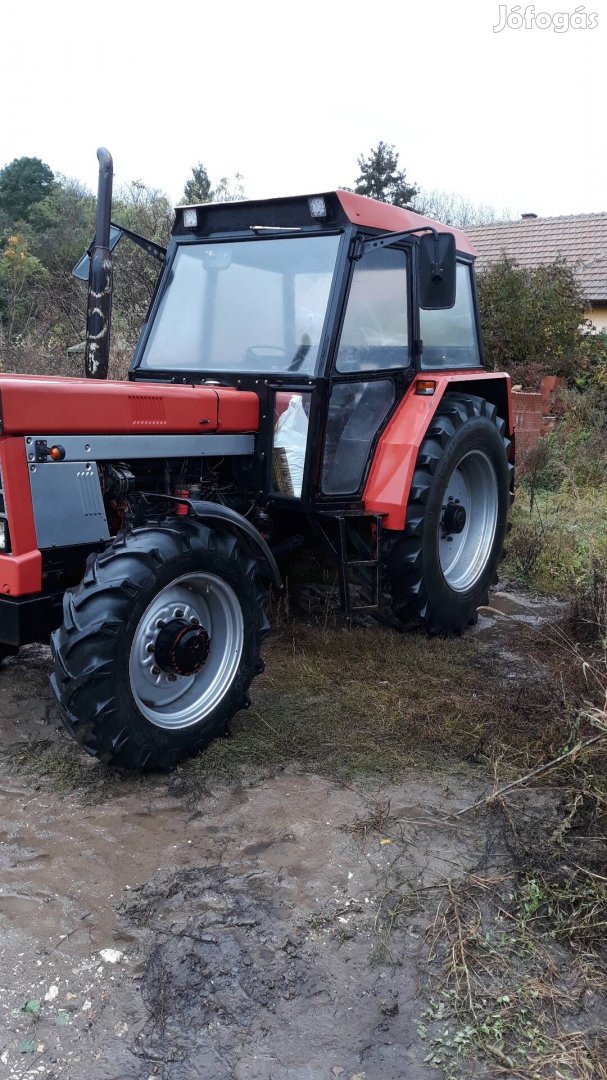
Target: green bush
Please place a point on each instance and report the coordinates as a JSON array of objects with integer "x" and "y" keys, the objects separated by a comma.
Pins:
[{"x": 533, "y": 321}]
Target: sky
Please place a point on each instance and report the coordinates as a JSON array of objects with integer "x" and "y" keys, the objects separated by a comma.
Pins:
[{"x": 290, "y": 95}]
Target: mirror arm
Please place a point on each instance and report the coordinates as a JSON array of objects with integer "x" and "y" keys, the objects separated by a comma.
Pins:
[
  {"x": 155, "y": 250},
  {"x": 361, "y": 246}
]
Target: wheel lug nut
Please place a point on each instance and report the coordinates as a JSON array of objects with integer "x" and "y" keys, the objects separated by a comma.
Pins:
[
  {"x": 149, "y": 648},
  {"x": 155, "y": 670},
  {"x": 159, "y": 624},
  {"x": 172, "y": 678},
  {"x": 179, "y": 613},
  {"x": 194, "y": 621}
]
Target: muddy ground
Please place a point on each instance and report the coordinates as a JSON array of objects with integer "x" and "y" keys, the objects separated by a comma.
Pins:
[{"x": 275, "y": 928}]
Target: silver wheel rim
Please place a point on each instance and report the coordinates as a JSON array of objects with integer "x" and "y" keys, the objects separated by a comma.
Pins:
[
  {"x": 464, "y": 555},
  {"x": 172, "y": 701}
]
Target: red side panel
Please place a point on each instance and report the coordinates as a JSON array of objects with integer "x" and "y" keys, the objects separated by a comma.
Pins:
[
  {"x": 20, "y": 572},
  {"x": 33, "y": 404},
  {"x": 391, "y": 473},
  {"x": 238, "y": 410}
]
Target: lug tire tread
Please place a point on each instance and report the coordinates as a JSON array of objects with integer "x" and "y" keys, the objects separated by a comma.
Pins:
[
  {"x": 407, "y": 594},
  {"x": 95, "y": 612}
]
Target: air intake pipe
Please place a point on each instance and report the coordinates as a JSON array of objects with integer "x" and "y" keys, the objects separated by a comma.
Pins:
[{"x": 99, "y": 305}]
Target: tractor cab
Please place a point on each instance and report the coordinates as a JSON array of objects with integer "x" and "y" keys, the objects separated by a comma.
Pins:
[{"x": 327, "y": 306}]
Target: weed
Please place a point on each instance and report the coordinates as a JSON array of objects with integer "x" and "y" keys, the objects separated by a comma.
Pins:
[
  {"x": 375, "y": 821},
  {"x": 498, "y": 994}
]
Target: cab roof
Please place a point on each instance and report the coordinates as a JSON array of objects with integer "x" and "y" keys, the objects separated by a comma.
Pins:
[{"x": 294, "y": 212}]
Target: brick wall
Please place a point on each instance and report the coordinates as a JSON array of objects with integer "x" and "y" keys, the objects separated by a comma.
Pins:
[{"x": 535, "y": 414}]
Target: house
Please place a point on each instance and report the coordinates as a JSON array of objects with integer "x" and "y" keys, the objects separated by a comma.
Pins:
[{"x": 580, "y": 239}]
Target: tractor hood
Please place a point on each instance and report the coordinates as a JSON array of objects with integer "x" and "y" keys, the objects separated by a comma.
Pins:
[{"x": 32, "y": 403}]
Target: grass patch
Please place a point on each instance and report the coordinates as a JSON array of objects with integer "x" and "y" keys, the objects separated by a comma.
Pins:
[
  {"x": 556, "y": 537},
  {"x": 371, "y": 701},
  {"x": 560, "y": 515},
  {"x": 63, "y": 767}
]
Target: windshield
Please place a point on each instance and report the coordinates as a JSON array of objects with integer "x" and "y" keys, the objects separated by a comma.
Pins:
[{"x": 249, "y": 305}]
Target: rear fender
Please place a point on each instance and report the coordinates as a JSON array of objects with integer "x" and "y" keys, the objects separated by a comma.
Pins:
[{"x": 391, "y": 474}]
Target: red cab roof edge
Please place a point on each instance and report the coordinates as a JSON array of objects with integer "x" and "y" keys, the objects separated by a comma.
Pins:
[{"x": 372, "y": 214}]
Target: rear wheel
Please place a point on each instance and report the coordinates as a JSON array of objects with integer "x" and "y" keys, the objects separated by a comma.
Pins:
[
  {"x": 440, "y": 567},
  {"x": 159, "y": 644}
]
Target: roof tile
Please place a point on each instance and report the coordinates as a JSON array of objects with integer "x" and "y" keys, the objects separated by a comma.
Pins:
[{"x": 580, "y": 239}]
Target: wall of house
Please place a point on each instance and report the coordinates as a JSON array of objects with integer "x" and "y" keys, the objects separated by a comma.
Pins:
[{"x": 598, "y": 315}]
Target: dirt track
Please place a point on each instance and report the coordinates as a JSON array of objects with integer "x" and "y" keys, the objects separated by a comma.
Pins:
[{"x": 245, "y": 936}]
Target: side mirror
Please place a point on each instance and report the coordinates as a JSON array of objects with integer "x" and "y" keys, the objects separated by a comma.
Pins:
[
  {"x": 437, "y": 264},
  {"x": 81, "y": 269}
]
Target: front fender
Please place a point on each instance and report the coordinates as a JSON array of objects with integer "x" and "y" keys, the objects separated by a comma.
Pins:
[{"x": 209, "y": 511}]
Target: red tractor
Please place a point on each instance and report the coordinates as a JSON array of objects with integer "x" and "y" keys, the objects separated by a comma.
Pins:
[{"x": 310, "y": 370}]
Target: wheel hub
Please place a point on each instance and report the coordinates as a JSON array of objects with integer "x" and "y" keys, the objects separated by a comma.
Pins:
[
  {"x": 181, "y": 649},
  {"x": 467, "y": 526},
  {"x": 186, "y": 650},
  {"x": 454, "y": 518}
]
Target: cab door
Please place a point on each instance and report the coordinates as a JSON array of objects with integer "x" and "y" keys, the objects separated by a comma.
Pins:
[{"x": 373, "y": 359}]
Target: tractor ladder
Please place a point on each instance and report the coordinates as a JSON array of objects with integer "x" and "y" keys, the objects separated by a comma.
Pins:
[{"x": 354, "y": 539}]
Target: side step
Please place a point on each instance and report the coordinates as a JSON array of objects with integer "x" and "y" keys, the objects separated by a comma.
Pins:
[{"x": 356, "y": 546}]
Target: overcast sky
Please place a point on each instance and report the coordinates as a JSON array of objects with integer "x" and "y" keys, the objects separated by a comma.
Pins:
[{"x": 290, "y": 94}]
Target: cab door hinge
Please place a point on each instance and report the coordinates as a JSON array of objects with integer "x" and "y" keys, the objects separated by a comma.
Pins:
[{"x": 357, "y": 248}]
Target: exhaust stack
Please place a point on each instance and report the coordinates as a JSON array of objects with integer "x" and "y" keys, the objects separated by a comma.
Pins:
[{"x": 99, "y": 305}]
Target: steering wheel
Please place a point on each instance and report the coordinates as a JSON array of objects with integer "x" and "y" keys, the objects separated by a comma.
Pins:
[
  {"x": 265, "y": 352},
  {"x": 270, "y": 353}
]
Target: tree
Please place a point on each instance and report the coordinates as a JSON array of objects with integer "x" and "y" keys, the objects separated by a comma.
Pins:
[
  {"x": 228, "y": 189},
  {"x": 380, "y": 177},
  {"x": 198, "y": 188},
  {"x": 148, "y": 212},
  {"x": 532, "y": 320},
  {"x": 455, "y": 210},
  {"x": 23, "y": 184},
  {"x": 21, "y": 276}
]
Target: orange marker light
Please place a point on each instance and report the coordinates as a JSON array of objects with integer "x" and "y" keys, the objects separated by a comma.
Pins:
[
  {"x": 425, "y": 386},
  {"x": 57, "y": 453}
]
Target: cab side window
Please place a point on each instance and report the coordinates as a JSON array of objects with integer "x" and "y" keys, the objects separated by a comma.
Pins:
[
  {"x": 449, "y": 334},
  {"x": 375, "y": 331}
]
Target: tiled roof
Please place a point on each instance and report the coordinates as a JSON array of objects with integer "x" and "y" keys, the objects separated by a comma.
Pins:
[{"x": 581, "y": 239}]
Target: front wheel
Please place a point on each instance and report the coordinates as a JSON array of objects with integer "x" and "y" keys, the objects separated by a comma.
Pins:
[
  {"x": 440, "y": 568},
  {"x": 159, "y": 644}
]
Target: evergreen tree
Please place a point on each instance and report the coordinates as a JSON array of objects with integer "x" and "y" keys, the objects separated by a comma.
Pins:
[
  {"x": 380, "y": 177},
  {"x": 198, "y": 187}
]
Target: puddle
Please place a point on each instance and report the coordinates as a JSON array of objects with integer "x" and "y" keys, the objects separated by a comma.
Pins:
[{"x": 517, "y": 607}]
